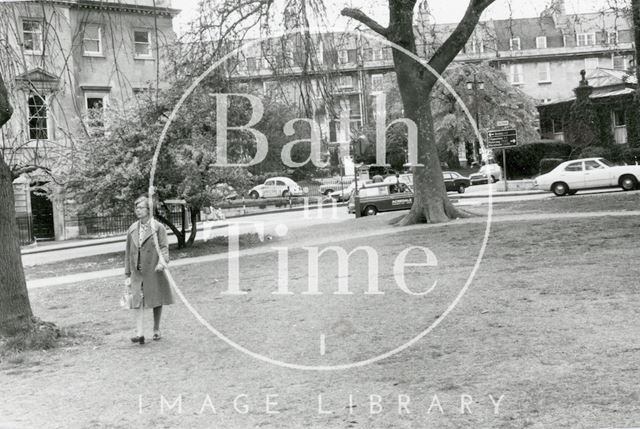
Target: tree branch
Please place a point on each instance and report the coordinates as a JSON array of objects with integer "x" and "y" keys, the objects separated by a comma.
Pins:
[
  {"x": 362, "y": 17},
  {"x": 456, "y": 40}
]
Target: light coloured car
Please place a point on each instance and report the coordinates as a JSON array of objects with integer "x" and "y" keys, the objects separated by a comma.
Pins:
[
  {"x": 406, "y": 178},
  {"x": 345, "y": 194},
  {"x": 275, "y": 187},
  {"x": 488, "y": 173},
  {"x": 588, "y": 173},
  {"x": 335, "y": 185}
]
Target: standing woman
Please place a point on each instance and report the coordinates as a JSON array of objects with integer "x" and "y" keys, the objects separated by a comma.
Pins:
[{"x": 144, "y": 268}]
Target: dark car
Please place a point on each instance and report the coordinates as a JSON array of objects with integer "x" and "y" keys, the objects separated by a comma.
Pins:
[
  {"x": 455, "y": 182},
  {"x": 381, "y": 197}
]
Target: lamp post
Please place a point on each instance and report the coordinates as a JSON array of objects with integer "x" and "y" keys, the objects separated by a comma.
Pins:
[{"x": 476, "y": 85}]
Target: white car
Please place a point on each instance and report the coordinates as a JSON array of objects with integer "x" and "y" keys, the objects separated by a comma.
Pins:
[
  {"x": 588, "y": 173},
  {"x": 406, "y": 178},
  {"x": 345, "y": 194},
  {"x": 277, "y": 187},
  {"x": 488, "y": 173}
]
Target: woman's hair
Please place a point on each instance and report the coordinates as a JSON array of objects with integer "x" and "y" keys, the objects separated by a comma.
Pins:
[{"x": 140, "y": 199}]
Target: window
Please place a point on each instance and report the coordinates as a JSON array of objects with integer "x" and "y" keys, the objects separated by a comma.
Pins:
[
  {"x": 32, "y": 36},
  {"x": 591, "y": 63},
  {"x": 142, "y": 42},
  {"x": 541, "y": 42},
  {"x": 556, "y": 126},
  {"x": 95, "y": 110},
  {"x": 592, "y": 165},
  {"x": 586, "y": 39},
  {"x": 619, "y": 62},
  {"x": 515, "y": 74},
  {"x": 343, "y": 56},
  {"x": 251, "y": 64},
  {"x": 612, "y": 37},
  {"x": 38, "y": 129},
  {"x": 477, "y": 46},
  {"x": 345, "y": 82},
  {"x": 574, "y": 166},
  {"x": 619, "y": 119},
  {"x": 92, "y": 40},
  {"x": 544, "y": 72},
  {"x": 514, "y": 44},
  {"x": 377, "y": 82}
]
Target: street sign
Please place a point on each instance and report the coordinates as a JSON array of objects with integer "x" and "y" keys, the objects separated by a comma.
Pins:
[
  {"x": 502, "y": 124},
  {"x": 504, "y": 138}
]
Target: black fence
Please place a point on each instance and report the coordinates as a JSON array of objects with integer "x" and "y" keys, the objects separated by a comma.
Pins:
[
  {"x": 103, "y": 226},
  {"x": 25, "y": 230}
]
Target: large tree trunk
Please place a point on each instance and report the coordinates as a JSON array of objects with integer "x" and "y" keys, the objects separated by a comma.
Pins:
[{"x": 15, "y": 309}]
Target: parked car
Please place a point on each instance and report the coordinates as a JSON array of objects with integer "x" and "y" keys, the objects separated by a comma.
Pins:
[
  {"x": 452, "y": 180},
  {"x": 380, "y": 197},
  {"x": 337, "y": 184},
  {"x": 406, "y": 178},
  {"x": 488, "y": 173},
  {"x": 455, "y": 182},
  {"x": 588, "y": 173},
  {"x": 345, "y": 194},
  {"x": 277, "y": 187}
]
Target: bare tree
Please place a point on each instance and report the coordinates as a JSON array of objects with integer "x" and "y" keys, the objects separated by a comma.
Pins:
[{"x": 416, "y": 83}]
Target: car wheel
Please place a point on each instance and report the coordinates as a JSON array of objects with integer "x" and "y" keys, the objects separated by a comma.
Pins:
[
  {"x": 628, "y": 183},
  {"x": 254, "y": 195},
  {"x": 370, "y": 211},
  {"x": 560, "y": 188},
  {"x": 461, "y": 188},
  {"x": 327, "y": 192},
  {"x": 493, "y": 179},
  {"x": 285, "y": 194}
]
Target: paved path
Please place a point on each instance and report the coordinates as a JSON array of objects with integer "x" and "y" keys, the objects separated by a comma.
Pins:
[{"x": 323, "y": 240}]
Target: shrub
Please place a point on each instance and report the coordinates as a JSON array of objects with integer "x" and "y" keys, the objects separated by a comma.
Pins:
[
  {"x": 594, "y": 152},
  {"x": 548, "y": 164},
  {"x": 523, "y": 161},
  {"x": 631, "y": 155}
]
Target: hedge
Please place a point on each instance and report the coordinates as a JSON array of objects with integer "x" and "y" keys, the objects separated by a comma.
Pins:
[
  {"x": 548, "y": 164},
  {"x": 523, "y": 161}
]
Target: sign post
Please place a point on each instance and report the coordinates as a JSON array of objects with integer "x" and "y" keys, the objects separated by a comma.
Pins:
[{"x": 502, "y": 139}]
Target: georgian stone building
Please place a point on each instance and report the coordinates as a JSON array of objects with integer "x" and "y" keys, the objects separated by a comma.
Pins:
[
  {"x": 63, "y": 62},
  {"x": 540, "y": 55}
]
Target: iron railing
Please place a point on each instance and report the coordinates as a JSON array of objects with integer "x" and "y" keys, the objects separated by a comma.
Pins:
[
  {"x": 115, "y": 225},
  {"x": 25, "y": 230}
]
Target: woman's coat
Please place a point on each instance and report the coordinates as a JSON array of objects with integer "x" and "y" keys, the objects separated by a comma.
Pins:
[{"x": 145, "y": 281}]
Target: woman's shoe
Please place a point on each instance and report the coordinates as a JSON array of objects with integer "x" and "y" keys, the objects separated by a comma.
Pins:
[
  {"x": 139, "y": 340},
  {"x": 156, "y": 335}
]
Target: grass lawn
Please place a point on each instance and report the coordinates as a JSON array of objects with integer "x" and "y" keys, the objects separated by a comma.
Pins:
[{"x": 549, "y": 324}]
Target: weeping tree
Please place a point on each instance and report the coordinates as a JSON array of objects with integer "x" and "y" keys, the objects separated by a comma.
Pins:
[{"x": 15, "y": 308}]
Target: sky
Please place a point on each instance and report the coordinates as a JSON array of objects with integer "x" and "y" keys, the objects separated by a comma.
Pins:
[{"x": 444, "y": 11}]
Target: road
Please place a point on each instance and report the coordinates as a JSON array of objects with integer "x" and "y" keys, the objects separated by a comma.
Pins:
[{"x": 292, "y": 219}]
